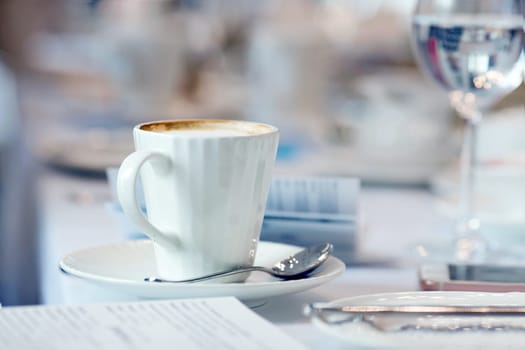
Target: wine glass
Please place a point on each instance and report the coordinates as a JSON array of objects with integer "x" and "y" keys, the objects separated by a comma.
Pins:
[{"x": 474, "y": 50}]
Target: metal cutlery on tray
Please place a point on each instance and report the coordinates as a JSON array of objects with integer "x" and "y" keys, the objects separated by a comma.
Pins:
[{"x": 439, "y": 318}]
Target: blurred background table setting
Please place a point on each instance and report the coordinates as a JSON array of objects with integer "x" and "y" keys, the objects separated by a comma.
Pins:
[{"x": 372, "y": 154}]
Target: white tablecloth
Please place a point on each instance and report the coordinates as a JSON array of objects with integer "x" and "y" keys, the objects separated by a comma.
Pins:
[{"x": 74, "y": 217}]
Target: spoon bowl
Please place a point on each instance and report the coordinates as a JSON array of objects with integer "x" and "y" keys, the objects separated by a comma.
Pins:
[{"x": 295, "y": 266}]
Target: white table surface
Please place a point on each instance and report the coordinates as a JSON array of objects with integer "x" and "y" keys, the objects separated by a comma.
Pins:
[{"x": 73, "y": 217}]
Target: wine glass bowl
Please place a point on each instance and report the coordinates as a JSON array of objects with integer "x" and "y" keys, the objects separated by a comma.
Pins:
[
  {"x": 473, "y": 49},
  {"x": 477, "y": 57}
]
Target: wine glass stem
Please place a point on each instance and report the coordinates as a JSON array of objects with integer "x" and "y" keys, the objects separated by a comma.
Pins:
[{"x": 468, "y": 221}]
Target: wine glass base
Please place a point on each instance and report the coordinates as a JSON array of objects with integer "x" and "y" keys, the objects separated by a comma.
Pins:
[{"x": 467, "y": 251}]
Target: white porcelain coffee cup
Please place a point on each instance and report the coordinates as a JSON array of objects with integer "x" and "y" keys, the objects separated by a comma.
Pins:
[{"x": 205, "y": 185}]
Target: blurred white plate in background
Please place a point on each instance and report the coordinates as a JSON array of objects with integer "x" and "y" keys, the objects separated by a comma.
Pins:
[{"x": 392, "y": 127}]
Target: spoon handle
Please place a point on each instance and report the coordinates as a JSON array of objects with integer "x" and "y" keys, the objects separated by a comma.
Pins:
[{"x": 233, "y": 271}]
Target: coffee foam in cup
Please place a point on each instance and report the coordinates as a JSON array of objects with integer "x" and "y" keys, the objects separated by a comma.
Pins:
[{"x": 212, "y": 127}]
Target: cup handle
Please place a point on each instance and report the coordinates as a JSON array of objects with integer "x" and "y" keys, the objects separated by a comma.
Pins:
[{"x": 127, "y": 193}]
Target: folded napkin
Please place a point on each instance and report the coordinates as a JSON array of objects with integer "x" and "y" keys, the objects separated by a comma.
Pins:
[{"x": 310, "y": 210}]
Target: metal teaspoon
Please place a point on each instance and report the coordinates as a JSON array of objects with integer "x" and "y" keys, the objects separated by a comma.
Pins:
[{"x": 293, "y": 267}]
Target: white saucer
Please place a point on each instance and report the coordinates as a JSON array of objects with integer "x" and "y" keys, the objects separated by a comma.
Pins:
[
  {"x": 444, "y": 335},
  {"x": 123, "y": 266}
]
